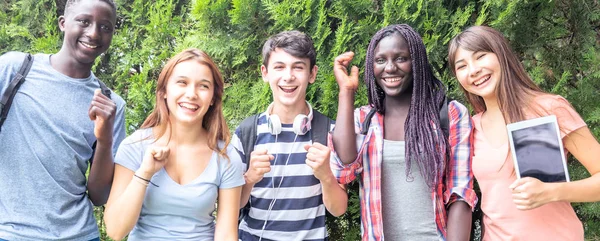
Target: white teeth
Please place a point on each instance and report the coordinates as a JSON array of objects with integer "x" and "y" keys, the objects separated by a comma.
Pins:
[
  {"x": 288, "y": 89},
  {"x": 188, "y": 106},
  {"x": 477, "y": 83},
  {"x": 89, "y": 46},
  {"x": 391, "y": 80}
]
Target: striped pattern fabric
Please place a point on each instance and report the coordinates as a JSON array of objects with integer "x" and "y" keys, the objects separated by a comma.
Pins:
[
  {"x": 456, "y": 183},
  {"x": 295, "y": 194}
]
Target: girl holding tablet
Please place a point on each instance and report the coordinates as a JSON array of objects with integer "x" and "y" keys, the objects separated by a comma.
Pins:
[{"x": 501, "y": 92}]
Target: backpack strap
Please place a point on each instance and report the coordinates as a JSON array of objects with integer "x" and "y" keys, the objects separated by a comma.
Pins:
[
  {"x": 105, "y": 90},
  {"x": 444, "y": 119},
  {"x": 320, "y": 125},
  {"x": 13, "y": 86},
  {"x": 367, "y": 122},
  {"x": 248, "y": 138}
]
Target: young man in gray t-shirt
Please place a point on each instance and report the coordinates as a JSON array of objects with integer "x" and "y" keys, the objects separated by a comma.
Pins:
[{"x": 57, "y": 115}]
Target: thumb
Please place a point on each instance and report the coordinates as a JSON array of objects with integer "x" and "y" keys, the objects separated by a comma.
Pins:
[
  {"x": 517, "y": 183},
  {"x": 354, "y": 72},
  {"x": 307, "y": 146}
]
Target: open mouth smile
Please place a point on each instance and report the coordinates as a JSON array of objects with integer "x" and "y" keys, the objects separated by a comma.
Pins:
[
  {"x": 482, "y": 80},
  {"x": 288, "y": 89},
  {"x": 192, "y": 107},
  {"x": 88, "y": 45}
]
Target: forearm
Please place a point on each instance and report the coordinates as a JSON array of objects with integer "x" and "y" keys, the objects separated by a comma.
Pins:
[
  {"x": 101, "y": 174},
  {"x": 585, "y": 190},
  {"x": 246, "y": 190},
  {"x": 459, "y": 221},
  {"x": 344, "y": 137},
  {"x": 227, "y": 211},
  {"x": 122, "y": 215},
  {"x": 335, "y": 197}
]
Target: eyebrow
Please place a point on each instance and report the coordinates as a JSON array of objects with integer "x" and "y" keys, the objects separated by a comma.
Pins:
[{"x": 297, "y": 62}]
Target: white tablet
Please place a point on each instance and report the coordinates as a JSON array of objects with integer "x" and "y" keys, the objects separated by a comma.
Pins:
[{"x": 537, "y": 149}]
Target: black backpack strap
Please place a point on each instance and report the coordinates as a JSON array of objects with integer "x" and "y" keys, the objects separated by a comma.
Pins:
[
  {"x": 320, "y": 126},
  {"x": 13, "y": 86},
  {"x": 365, "y": 125},
  {"x": 248, "y": 136},
  {"x": 105, "y": 90},
  {"x": 444, "y": 119}
]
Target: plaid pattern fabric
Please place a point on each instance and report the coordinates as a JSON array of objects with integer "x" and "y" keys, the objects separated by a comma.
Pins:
[{"x": 456, "y": 183}]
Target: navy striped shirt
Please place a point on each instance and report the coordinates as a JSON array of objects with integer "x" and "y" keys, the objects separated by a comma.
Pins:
[{"x": 295, "y": 194}]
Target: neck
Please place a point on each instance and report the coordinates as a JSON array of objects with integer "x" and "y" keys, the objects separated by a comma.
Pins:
[
  {"x": 186, "y": 134},
  {"x": 491, "y": 104},
  {"x": 288, "y": 113},
  {"x": 397, "y": 104},
  {"x": 68, "y": 66}
]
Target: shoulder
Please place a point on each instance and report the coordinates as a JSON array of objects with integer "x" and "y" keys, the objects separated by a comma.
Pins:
[
  {"x": 548, "y": 101},
  {"x": 139, "y": 135},
  {"x": 11, "y": 61}
]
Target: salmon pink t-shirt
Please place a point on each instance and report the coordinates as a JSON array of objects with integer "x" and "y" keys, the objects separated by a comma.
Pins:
[{"x": 494, "y": 171}]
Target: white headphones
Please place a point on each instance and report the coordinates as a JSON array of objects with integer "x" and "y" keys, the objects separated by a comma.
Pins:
[{"x": 301, "y": 124}]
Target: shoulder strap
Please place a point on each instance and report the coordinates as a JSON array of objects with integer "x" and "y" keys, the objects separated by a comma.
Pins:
[
  {"x": 444, "y": 119},
  {"x": 248, "y": 138},
  {"x": 320, "y": 126},
  {"x": 105, "y": 90},
  {"x": 13, "y": 86},
  {"x": 367, "y": 122}
]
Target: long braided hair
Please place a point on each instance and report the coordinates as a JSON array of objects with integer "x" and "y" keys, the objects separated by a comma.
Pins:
[{"x": 423, "y": 146}]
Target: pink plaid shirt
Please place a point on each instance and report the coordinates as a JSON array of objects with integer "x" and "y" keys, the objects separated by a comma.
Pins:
[{"x": 456, "y": 183}]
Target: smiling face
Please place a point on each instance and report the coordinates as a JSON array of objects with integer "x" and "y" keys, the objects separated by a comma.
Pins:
[
  {"x": 88, "y": 28},
  {"x": 289, "y": 77},
  {"x": 189, "y": 92},
  {"x": 392, "y": 65},
  {"x": 478, "y": 72}
]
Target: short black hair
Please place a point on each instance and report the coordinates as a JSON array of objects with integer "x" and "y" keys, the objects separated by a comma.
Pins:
[
  {"x": 71, "y": 3},
  {"x": 293, "y": 42}
]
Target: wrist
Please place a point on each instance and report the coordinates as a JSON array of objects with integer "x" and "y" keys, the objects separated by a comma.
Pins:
[
  {"x": 347, "y": 93},
  {"x": 144, "y": 174},
  {"x": 248, "y": 179}
]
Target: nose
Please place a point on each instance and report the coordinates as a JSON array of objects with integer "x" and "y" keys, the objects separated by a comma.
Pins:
[
  {"x": 288, "y": 75},
  {"x": 474, "y": 70},
  {"x": 190, "y": 92},
  {"x": 92, "y": 31},
  {"x": 390, "y": 67}
]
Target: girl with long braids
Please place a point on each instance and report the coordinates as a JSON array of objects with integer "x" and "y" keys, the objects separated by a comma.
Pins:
[
  {"x": 501, "y": 92},
  {"x": 415, "y": 182}
]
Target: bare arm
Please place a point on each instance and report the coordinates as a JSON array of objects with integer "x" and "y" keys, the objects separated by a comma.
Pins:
[
  {"x": 529, "y": 193},
  {"x": 343, "y": 135},
  {"x": 127, "y": 195},
  {"x": 227, "y": 214},
  {"x": 102, "y": 111},
  {"x": 260, "y": 163},
  {"x": 335, "y": 197},
  {"x": 459, "y": 221}
]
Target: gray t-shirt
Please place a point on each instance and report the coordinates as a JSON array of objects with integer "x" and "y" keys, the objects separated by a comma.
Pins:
[
  {"x": 407, "y": 206},
  {"x": 179, "y": 212},
  {"x": 45, "y": 144}
]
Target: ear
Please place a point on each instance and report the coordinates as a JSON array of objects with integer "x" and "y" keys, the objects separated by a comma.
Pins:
[
  {"x": 313, "y": 74},
  {"x": 61, "y": 23},
  {"x": 263, "y": 72}
]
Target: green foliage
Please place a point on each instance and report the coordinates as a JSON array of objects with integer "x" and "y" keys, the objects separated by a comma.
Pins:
[{"x": 557, "y": 41}]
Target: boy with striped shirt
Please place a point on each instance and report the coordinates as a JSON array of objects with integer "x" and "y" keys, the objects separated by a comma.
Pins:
[{"x": 289, "y": 183}]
